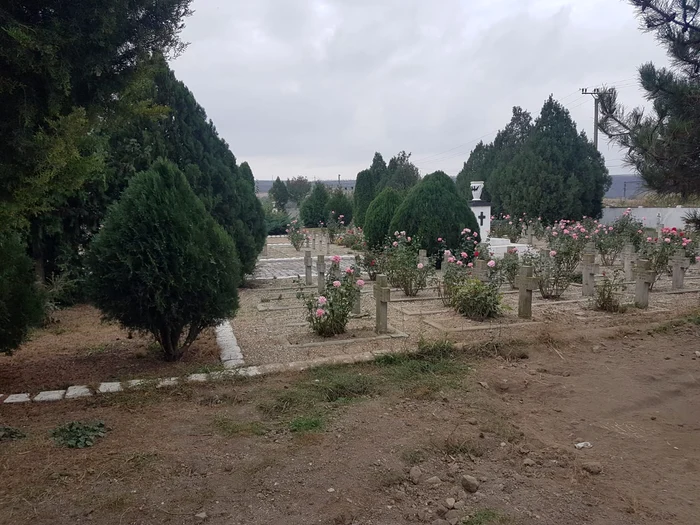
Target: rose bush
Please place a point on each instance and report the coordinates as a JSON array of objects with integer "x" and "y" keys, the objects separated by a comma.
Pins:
[{"x": 329, "y": 313}]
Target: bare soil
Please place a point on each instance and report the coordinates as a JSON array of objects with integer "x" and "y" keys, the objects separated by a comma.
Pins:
[
  {"x": 226, "y": 449},
  {"x": 80, "y": 349}
]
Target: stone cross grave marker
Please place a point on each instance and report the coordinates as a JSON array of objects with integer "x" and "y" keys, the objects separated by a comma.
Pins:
[
  {"x": 629, "y": 258},
  {"x": 481, "y": 270},
  {"x": 321, "y": 270},
  {"x": 265, "y": 249},
  {"x": 645, "y": 278},
  {"x": 382, "y": 296},
  {"x": 307, "y": 241},
  {"x": 313, "y": 242},
  {"x": 328, "y": 245},
  {"x": 679, "y": 264},
  {"x": 526, "y": 283},
  {"x": 530, "y": 232},
  {"x": 307, "y": 265},
  {"x": 589, "y": 268}
]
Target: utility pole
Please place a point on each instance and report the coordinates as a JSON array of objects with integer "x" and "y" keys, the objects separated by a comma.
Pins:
[{"x": 596, "y": 92}]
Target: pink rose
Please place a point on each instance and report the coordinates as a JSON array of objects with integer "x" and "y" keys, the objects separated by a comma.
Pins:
[
  {"x": 460, "y": 263},
  {"x": 420, "y": 266},
  {"x": 322, "y": 300},
  {"x": 320, "y": 312},
  {"x": 470, "y": 265},
  {"x": 395, "y": 244},
  {"x": 408, "y": 239},
  {"x": 464, "y": 255},
  {"x": 667, "y": 240},
  {"x": 336, "y": 284},
  {"x": 335, "y": 258},
  {"x": 448, "y": 252},
  {"x": 553, "y": 253},
  {"x": 360, "y": 283},
  {"x": 648, "y": 239},
  {"x": 396, "y": 234},
  {"x": 554, "y": 233},
  {"x": 451, "y": 259},
  {"x": 491, "y": 263},
  {"x": 439, "y": 239}
]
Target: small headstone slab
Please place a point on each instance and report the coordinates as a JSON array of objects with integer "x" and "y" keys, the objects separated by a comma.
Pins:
[{"x": 50, "y": 395}]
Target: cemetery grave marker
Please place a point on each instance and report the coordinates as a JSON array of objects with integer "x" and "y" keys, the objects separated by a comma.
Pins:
[
  {"x": 382, "y": 296},
  {"x": 645, "y": 278},
  {"x": 526, "y": 283}
]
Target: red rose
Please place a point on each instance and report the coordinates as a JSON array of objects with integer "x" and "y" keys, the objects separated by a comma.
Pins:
[{"x": 476, "y": 254}]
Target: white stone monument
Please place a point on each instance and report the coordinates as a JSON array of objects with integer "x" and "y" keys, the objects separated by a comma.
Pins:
[{"x": 481, "y": 209}]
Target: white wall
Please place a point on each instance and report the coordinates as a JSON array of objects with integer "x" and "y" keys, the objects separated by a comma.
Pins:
[{"x": 652, "y": 217}]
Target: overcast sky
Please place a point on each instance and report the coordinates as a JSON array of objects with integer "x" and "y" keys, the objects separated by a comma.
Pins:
[{"x": 315, "y": 87}]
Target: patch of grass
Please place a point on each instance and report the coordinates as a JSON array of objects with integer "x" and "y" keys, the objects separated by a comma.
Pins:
[
  {"x": 11, "y": 433},
  {"x": 337, "y": 384},
  {"x": 306, "y": 424},
  {"x": 78, "y": 434},
  {"x": 296, "y": 398},
  {"x": 208, "y": 369},
  {"x": 95, "y": 350},
  {"x": 433, "y": 368},
  {"x": 486, "y": 517},
  {"x": 228, "y": 427}
]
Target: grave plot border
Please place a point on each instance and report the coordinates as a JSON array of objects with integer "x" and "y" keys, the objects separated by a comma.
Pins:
[{"x": 393, "y": 334}]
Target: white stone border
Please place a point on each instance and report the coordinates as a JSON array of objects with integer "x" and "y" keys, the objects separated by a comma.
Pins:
[
  {"x": 231, "y": 354},
  {"x": 230, "y": 373}
]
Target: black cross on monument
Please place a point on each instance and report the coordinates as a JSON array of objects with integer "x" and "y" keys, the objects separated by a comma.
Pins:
[{"x": 481, "y": 218}]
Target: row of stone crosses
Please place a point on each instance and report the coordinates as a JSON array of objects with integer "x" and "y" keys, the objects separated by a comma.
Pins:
[{"x": 637, "y": 271}]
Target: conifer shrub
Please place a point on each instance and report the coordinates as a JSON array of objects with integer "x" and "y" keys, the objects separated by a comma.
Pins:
[
  {"x": 340, "y": 205},
  {"x": 161, "y": 264},
  {"x": 379, "y": 215},
  {"x": 313, "y": 210},
  {"x": 433, "y": 210},
  {"x": 21, "y": 303},
  {"x": 363, "y": 196}
]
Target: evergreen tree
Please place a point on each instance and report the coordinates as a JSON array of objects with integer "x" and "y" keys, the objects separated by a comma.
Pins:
[
  {"x": 247, "y": 173},
  {"x": 21, "y": 304},
  {"x": 497, "y": 157},
  {"x": 379, "y": 215},
  {"x": 298, "y": 188},
  {"x": 380, "y": 172},
  {"x": 478, "y": 167},
  {"x": 313, "y": 209},
  {"x": 62, "y": 67},
  {"x": 557, "y": 173},
  {"x": 168, "y": 123},
  {"x": 341, "y": 204},
  {"x": 363, "y": 196},
  {"x": 279, "y": 194},
  {"x": 161, "y": 264},
  {"x": 433, "y": 210},
  {"x": 663, "y": 145},
  {"x": 402, "y": 174}
]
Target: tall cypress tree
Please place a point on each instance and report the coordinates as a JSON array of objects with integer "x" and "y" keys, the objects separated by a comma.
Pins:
[
  {"x": 402, "y": 174},
  {"x": 557, "y": 173},
  {"x": 279, "y": 194},
  {"x": 363, "y": 196},
  {"x": 175, "y": 127}
]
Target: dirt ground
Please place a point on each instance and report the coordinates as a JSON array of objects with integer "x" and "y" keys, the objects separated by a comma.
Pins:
[
  {"x": 337, "y": 445},
  {"x": 80, "y": 349}
]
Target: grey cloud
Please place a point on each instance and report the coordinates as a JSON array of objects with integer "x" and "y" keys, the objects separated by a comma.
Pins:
[{"x": 315, "y": 87}]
